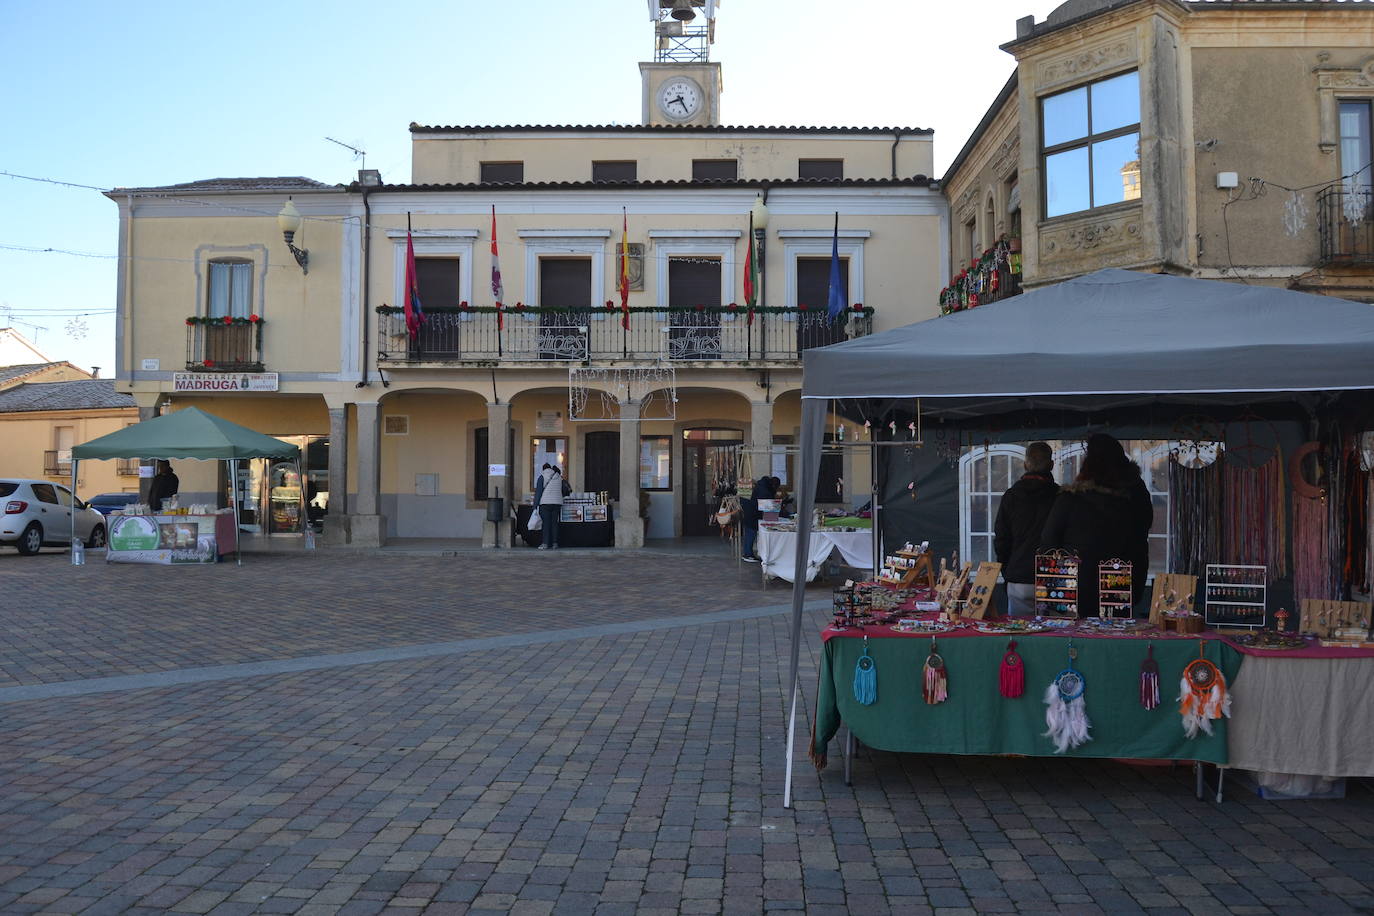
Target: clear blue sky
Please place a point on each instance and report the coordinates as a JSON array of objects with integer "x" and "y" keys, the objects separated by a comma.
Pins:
[{"x": 153, "y": 93}]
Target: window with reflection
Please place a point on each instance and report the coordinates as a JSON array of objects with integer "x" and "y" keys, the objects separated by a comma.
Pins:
[{"x": 1090, "y": 142}]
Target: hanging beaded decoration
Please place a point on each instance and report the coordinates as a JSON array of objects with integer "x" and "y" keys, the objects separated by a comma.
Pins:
[
  {"x": 1066, "y": 714},
  {"x": 866, "y": 678},
  {"x": 1149, "y": 680},
  {"x": 1202, "y": 695},
  {"x": 1012, "y": 677},
  {"x": 936, "y": 688}
]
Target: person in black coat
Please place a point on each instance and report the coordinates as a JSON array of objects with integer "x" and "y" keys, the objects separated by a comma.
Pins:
[
  {"x": 165, "y": 485},
  {"x": 1020, "y": 521},
  {"x": 749, "y": 517},
  {"x": 1104, "y": 514}
]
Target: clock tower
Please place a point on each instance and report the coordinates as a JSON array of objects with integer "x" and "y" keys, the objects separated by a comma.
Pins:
[{"x": 681, "y": 85}]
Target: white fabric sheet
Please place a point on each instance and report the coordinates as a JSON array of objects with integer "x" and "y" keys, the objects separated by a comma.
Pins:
[
  {"x": 1309, "y": 716},
  {"x": 778, "y": 550}
]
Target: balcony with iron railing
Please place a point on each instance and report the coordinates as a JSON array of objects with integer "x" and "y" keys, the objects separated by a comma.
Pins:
[
  {"x": 57, "y": 462},
  {"x": 224, "y": 344},
  {"x": 713, "y": 334},
  {"x": 1345, "y": 214},
  {"x": 993, "y": 275},
  {"x": 127, "y": 467}
]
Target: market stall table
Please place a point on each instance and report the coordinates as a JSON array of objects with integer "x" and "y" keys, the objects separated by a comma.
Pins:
[
  {"x": 778, "y": 549},
  {"x": 570, "y": 534},
  {"x": 977, "y": 719},
  {"x": 170, "y": 539}
]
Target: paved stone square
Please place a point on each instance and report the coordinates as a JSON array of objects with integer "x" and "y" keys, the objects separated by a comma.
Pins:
[{"x": 531, "y": 733}]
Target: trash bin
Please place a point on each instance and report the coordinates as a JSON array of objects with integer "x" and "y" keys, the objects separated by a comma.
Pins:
[{"x": 496, "y": 509}]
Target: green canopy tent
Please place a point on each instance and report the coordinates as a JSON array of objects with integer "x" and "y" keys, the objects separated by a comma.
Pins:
[{"x": 188, "y": 433}]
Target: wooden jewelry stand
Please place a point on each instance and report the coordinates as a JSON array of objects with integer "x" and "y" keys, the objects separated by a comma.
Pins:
[
  {"x": 920, "y": 566},
  {"x": 1173, "y": 594},
  {"x": 1325, "y": 617},
  {"x": 981, "y": 591}
]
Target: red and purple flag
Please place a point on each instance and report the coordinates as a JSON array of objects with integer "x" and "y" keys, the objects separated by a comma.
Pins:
[
  {"x": 496, "y": 288},
  {"x": 415, "y": 314}
]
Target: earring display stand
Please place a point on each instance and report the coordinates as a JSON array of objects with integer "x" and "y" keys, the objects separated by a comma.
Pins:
[
  {"x": 905, "y": 567},
  {"x": 981, "y": 591},
  {"x": 1114, "y": 589},
  {"x": 1172, "y": 598},
  {"x": 1056, "y": 584},
  {"x": 1235, "y": 596}
]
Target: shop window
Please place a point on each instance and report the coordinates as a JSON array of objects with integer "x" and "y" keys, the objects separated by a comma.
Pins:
[
  {"x": 231, "y": 289},
  {"x": 715, "y": 169},
  {"x": 655, "y": 462},
  {"x": 502, "y": 172},
  {"x": 601, "y": 462},
  {"x": 617, "y": 170},
  {"x": 820, "y": 168},
  {"x": 479, "y": 463},
  {"x": 1090, "y": 144}
]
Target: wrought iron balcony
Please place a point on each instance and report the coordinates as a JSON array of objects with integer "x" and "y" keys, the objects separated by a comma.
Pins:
[
  {"x": 520, "y": 334},
  {"x": 1346, "y": 224},
  {"x": 57, "y": 463},
  {"x": 126, "y": 467},
  {"x": 217, "y": 345}
]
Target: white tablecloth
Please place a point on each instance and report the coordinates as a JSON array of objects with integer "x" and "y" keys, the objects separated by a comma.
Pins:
[{"x": 778, "y": 550}]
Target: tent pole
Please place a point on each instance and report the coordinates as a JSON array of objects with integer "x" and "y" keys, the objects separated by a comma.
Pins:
[
  {"x": 812, "y": 429},
  {"x": 874, "y": 509},
  {"x": 72, "y": 545},
  {"x": 234, "y": 502}
]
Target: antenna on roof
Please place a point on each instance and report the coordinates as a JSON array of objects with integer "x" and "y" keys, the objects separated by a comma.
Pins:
[{"x": 357, "y": 153}]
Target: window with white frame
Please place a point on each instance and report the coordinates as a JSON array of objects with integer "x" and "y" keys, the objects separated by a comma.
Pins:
[{"x": 231, "y": 288}]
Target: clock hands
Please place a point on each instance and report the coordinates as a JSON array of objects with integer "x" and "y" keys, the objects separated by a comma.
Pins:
[{"x": 679, "y": 100}]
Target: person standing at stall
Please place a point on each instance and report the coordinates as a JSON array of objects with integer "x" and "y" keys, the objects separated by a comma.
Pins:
[
  {"x": 1020, "y": 521},
  {"x": 550, "y": 502},
  {"x": 165, "y": 484},
  {"x": 1104, "y": 514},
  {"x": 749, "y": 517}
]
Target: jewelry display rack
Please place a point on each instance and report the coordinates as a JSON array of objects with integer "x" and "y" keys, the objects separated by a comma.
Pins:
[
  {"x": 905, "y": 567},
  {"x": 1056, "y": 584},
  {"x": 1235, "y": 596},
  {"x": 1114, "y": 588}
]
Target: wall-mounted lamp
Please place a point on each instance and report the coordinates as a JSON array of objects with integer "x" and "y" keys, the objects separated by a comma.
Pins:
[{"x": 289, "y": 221}]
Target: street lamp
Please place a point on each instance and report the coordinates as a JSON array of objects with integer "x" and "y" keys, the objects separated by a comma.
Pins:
[{"x": 289, "y": 221}]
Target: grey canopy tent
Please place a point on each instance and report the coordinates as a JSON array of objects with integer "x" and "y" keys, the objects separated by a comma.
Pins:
[
  {"x": 1110, "y": 338},
  {"x": 188, "y": 433}
]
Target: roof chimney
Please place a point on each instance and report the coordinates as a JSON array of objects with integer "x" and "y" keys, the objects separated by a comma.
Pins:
[{"x": 95, "y": 372}]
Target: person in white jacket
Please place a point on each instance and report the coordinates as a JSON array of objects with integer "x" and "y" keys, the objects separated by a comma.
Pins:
[{"x": 549, "y": 498}]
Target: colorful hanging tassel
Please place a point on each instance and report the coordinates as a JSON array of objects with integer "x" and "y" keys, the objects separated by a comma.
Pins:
[
  {"x": 936, "y": 688},
  {"x": 1149, "y": 680},
  {"x": 1202, "y": 696},
  {"x": 1012, "y": 679},
  {"x": 1066, "y": 714},
  {"x": 866, "y": 678}
]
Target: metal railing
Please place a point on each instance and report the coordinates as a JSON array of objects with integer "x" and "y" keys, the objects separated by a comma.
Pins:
[
  {"x": 1346, "y": 223},
  {"x": 457, "y": 335},
  {"x": 216, "y": 347},
  {"x": 57, "y": 463}
]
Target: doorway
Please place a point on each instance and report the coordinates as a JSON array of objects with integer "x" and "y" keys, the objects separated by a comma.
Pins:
[{"x": 708, "y": 459}]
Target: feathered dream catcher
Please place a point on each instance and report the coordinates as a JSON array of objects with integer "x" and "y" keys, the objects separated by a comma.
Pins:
[
  {"x": 1066, "y": 713},
  {"x": 1202, "y": 695}
]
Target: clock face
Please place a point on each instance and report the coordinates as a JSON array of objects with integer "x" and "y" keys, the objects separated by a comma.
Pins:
[{"x": 679, "y": 98}]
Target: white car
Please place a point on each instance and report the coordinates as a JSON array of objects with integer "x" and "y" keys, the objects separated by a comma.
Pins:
[{"x": 38, "y": 513}]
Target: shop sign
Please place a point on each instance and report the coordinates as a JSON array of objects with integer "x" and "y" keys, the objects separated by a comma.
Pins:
[
  {"x": 496, "y": 470},
  {"x": 224, "y": 381},
  {"x": 134, "y": 532}
]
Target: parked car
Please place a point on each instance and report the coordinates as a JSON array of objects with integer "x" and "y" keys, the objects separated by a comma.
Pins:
[
  {"x": 39, "y": 513},
  {"x": 106, "y": 503}
]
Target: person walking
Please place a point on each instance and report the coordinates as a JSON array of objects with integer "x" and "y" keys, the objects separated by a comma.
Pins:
[
  {"x": 1020, "y": 521},
  {"x": 1105, "y": 514},
  {"x": 165, "y": 484},
  {"x": 549, "y": 498}
]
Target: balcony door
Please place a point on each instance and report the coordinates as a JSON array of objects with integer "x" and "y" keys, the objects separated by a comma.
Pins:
[
  {"x": 564, "y": 283},
  {"x": 438, "y": 280},
  {"x": 814, "y": 328},
  {"x": 693, "y": 334}
]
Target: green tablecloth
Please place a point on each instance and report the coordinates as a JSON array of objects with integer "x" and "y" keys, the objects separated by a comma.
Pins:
[{"x": 977, "y": 719}]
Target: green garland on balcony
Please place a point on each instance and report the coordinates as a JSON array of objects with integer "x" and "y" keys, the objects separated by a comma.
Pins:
[
  {"x": 611, "y": 309},
  {"x": 981, "y": 280},
  {"x": 226, "y": 319}
]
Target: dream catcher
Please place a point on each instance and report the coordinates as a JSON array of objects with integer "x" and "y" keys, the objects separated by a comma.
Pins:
[
  {"x": 866, "y": 678},
  {"x": 1202, "y": 695},
  {"x": 1149, "y": 680},
  {"x": 1011, "y": 679},
  {"x": 1066, "y": 713},
  {"x": 936, "y": 687}
]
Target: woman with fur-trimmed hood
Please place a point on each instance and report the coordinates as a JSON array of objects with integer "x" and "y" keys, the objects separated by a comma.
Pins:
[{"x": 1104, "y": 514}]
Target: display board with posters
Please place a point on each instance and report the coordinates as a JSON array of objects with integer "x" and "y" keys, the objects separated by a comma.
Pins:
[{"x": 170, "y": 539}]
